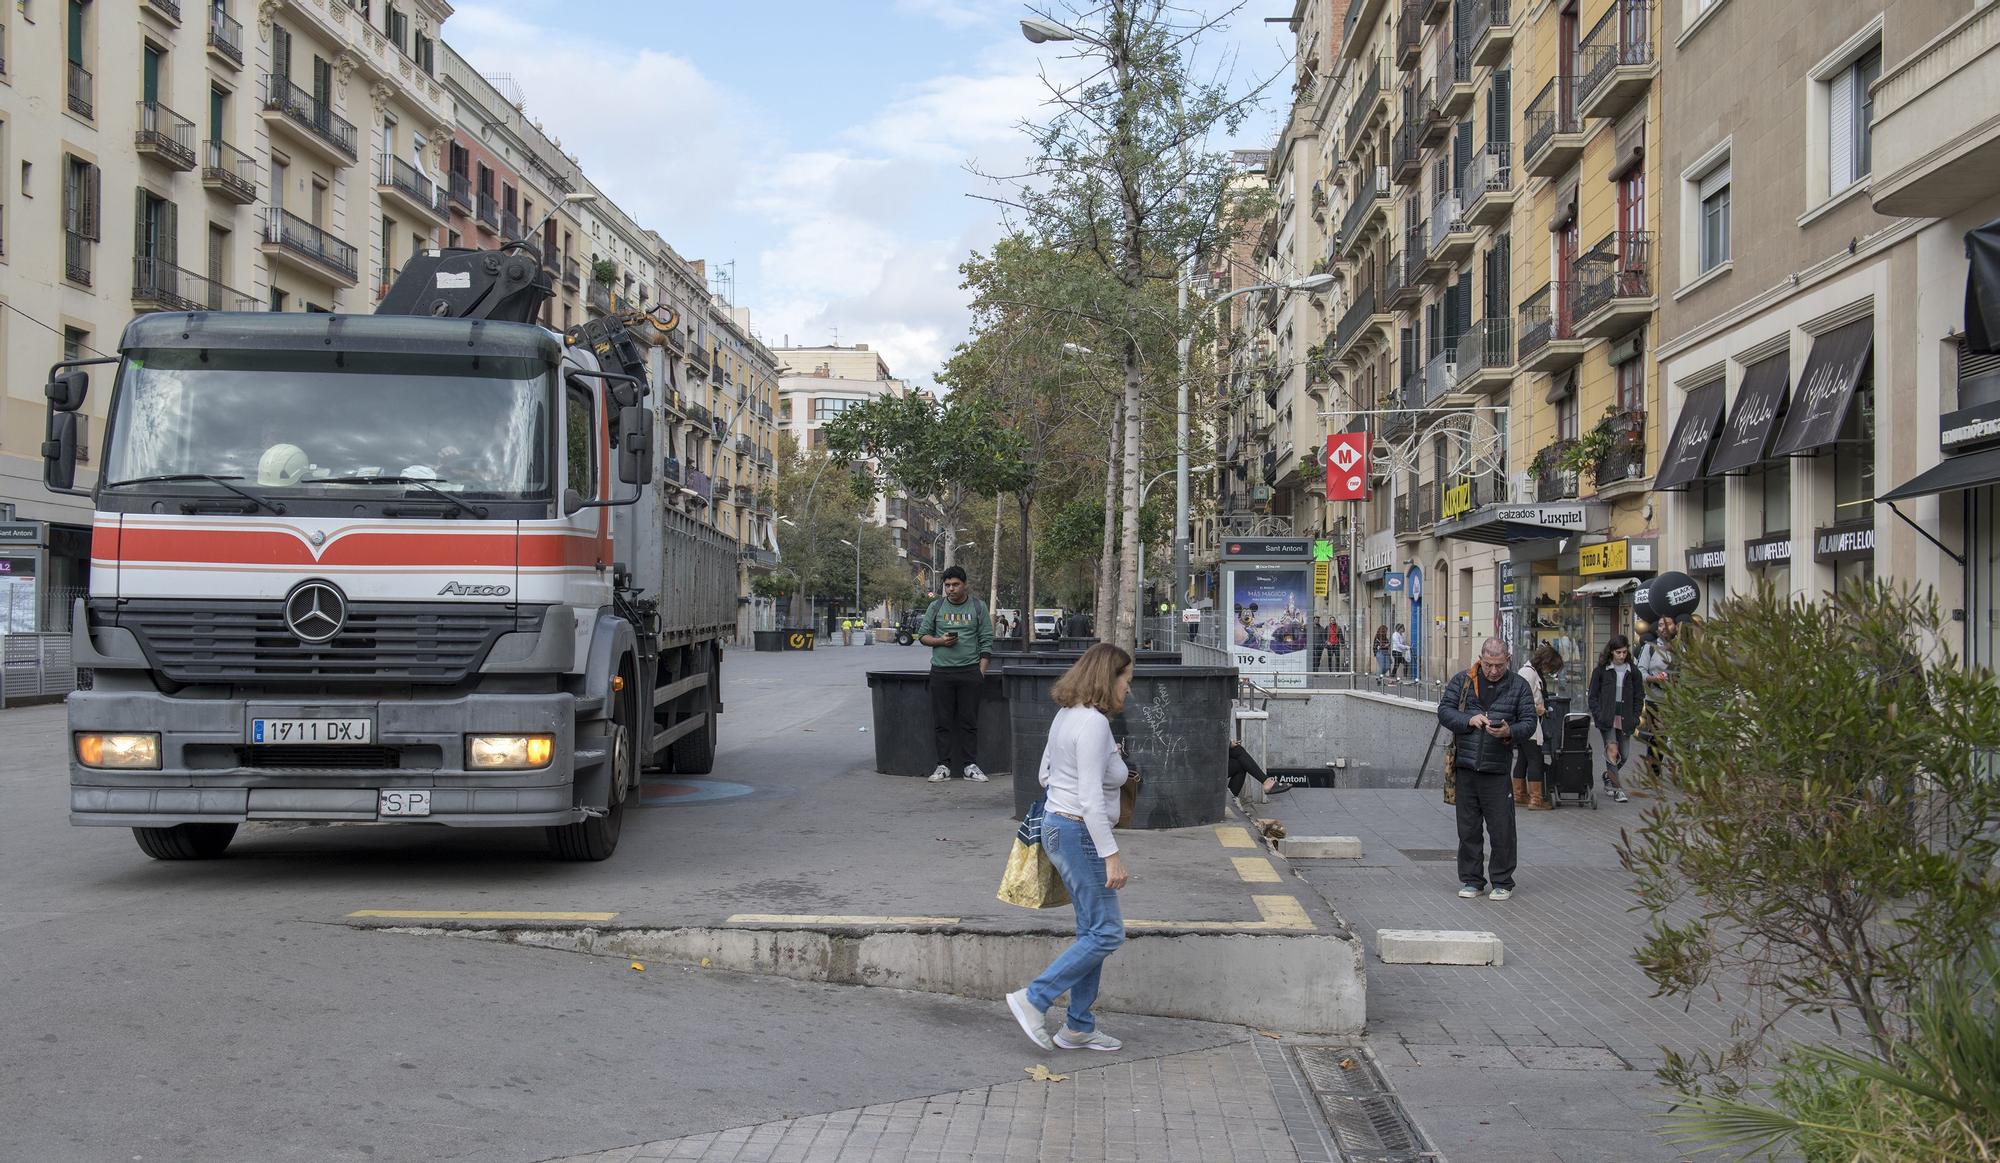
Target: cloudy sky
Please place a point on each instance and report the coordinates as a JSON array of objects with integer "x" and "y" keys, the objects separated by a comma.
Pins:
[{"x": 820, "y": 145}]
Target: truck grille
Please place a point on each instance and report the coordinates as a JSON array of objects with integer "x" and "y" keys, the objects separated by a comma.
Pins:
[
  {"x": 217, "y": 641},
  {"x": 288, "y": 758}
]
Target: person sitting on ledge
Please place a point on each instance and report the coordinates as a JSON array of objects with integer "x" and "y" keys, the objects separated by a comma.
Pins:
[{"x": 1242, "y": 763}]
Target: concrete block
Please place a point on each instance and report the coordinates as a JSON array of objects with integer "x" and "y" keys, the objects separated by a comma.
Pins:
[
  {"x": 1437, "y": 947},
  {"x": 1320, "y": 847}
]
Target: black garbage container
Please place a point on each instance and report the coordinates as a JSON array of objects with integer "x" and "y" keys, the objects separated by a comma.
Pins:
[
  {"x": 905, "y": 743},
  {"x": 768, "y": 641},
  {"x": 1175, "y": 728}
]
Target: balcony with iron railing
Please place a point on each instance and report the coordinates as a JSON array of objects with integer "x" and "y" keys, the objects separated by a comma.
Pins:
[
  {"x": 1370, "y": 208},
  {"x": 1451, "y": 235},
  {"x": 1441, "y": 371},
  {"x": 158, "y": 285},
  {"x": 1410, "y": 34},
  {"x": 697, "y": 415},
  {"x": 1625, "y": 461},
  {"x": 597, "y": 297},
  {"x": 324, "y": 131},
  {"x": 1489, "y": 182},
  {"x": 699, "y": 485},
  {"x": 171, "y": 9},
  {"x": 1489, "y": 30},
  {"x": 1547, "y": 340},
  {"x": 290, "y": 237},
  {"x": 1371, "y": 104},
  {"x": 486, "y": 213},
  {"x": 572, "y": 274},
  {"x": 1360, "y": 18},
  {"x": 1399, "y": 290},
  {"x": 1616, "y": 61},
  {"x": 1553, "y": 482},
  {"x": 1554, "y": 136},
  {"x": 670, "y": 470},
  {"x": 698, "y": 359},
  {"x": 1435, "y": 10},
  {"x": 1432, "y": 125},
  {"x": 402, "y": 181},
  {"x": 1406, "y": 156},
  {"x": 77, "y": 253},
  {"x": 81, "y": 89},
  {"x": 1486, "y": 356},
  {"x": 510, "y": 225},
  {"x": 165, "y": 136},
  {"x": 1354, "y": 325},
  {"x": 229, "y": 172},
  {"x": 458, "y": 191},
  {"x": 1614, "y": 286},
  {"x": 1454, "y": 75},
  {"x": 225, "y": 36}
]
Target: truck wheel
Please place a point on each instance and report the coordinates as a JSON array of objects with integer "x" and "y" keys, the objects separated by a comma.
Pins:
[
  {"x": 185, "y": 841},
  {"x": 596, "y": 837},
  {"x": 694, "y": 752}
]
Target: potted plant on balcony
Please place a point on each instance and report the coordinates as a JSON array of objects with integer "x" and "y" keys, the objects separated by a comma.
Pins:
[{"x": 604, "y": 271}]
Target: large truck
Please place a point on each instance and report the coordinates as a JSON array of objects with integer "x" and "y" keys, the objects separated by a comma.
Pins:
[{"x": 415, "y": 567}]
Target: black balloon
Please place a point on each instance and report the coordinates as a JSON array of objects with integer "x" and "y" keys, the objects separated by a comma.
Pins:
[
  {"x": 1642, "y": 603},
  {"x": 1674, "y": 595}
]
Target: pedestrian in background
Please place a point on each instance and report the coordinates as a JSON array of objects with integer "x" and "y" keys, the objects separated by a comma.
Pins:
[
  {"x": 1082, "y": 769},
  {"x": 1399, "y": 655},
  {"x": 960, "y": 635},
  {"x": 1528, "y": 760},
  {"x": 1333, "y": 643},
  {"x": 1617, "y": 700},
  {"x": 1382, "y": 651},
  {"x": 1488, "y": 709},
  {"x": 1319, "y": 649}
]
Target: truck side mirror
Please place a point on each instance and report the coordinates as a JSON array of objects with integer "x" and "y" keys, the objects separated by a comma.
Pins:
[
  {"x": 59, "y": 451},
  {"x": 66, "y": 391},
  {"x": 635, "y": 446}
]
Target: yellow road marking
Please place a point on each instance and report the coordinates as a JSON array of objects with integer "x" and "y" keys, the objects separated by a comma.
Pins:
[
  {"x": 1255, "y": 869},
  {"x": 1232, "y": 836},
  {"x": 474, "y": 915},
  {"x": 1279, "y": 913},
  {"x": 833, "y": 919}
]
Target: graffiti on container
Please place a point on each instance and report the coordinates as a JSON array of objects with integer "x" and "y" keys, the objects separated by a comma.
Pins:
[{"x": 1167, "y": 743}]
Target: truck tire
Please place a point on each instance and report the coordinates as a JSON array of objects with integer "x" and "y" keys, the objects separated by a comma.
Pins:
[
  {"x": 596, "y": 837},
  {"x": 185, "y": 841},
  {"x": 694, "y": 752}
]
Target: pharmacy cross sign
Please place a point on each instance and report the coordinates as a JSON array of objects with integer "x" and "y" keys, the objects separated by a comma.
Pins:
[{"x": 1347, "y": 466}]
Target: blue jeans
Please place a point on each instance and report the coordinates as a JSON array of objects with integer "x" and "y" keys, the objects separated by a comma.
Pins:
[{"x": 1099, "y": 927}]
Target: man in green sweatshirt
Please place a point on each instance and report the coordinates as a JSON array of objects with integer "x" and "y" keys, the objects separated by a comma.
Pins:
[{"x": 959, "y": 632}]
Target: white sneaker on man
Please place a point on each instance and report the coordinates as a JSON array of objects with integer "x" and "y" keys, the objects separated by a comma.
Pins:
[
  {"x": 973, "y": 773},
  {"x": 941, "y": 774},
  {"x": 1500, "y": 894},
  {"x": 1468, "y": 891}
]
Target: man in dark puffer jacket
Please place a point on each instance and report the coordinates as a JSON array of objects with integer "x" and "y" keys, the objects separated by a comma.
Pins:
[{"x": 1499, "y": 709}]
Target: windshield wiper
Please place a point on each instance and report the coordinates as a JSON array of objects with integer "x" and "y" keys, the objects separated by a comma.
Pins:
[
  {"x": 423, "y": 483},
  {"x": 172, "y": 477}
]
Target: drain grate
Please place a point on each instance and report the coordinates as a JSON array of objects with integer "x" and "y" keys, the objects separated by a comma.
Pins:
[
  {"x": 1430, "y": 853},
  {"x": 1369, "y": 1123}
]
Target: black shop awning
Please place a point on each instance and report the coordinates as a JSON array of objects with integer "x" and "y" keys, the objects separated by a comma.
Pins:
[
  {"x": 1982, "y": 289},
  {"x": 1694, "y": 435},
  {"x": 1968, "y": 471},
  {"x": 1746, "y": 439},
  {"x": 1826, "y": 388}
]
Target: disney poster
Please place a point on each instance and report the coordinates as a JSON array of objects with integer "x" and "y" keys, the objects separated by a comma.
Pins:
[{"x": 1270, "y": 624}]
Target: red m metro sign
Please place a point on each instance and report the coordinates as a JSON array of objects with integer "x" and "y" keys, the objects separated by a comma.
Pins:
[{"x": 1347, "y": 466}]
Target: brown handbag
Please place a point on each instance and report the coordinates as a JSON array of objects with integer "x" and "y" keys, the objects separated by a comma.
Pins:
[{"x": 1128, "y": 798}]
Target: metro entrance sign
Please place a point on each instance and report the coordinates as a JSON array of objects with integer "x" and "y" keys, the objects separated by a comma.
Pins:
[{"x": 1347, "y": 466}]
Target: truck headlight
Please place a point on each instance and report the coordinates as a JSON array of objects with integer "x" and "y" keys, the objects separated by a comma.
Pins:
[
  {"x": 138, "y": 750},
  {"x": 508, "y": 752}
]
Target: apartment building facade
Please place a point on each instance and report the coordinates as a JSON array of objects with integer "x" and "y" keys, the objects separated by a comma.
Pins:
[
  {"x": 1815, "y": 358},
  {"x": 817, "y": 384}
]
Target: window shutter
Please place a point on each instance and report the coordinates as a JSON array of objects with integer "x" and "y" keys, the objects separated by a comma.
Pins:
[
  {"x": 170, "y": 234},
  {"x": 1840, "y": 131},
  {"x": 1499, "y": 102},
  {"x": 1461, "y": 155},
  {"x": 1503, "y": 275},
  {"x": 141, "y": 244},
  {"x": 93, "y": 201},
  {"x": 281, "y": 52},
  {"x": 1712, "y": 182}
]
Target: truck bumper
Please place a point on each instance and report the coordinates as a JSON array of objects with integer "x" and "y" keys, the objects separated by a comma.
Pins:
[{"x": 209, "y": 774}]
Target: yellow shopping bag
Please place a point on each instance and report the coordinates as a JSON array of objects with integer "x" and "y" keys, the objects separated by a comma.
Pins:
[{"x": 1030, "y": 880}]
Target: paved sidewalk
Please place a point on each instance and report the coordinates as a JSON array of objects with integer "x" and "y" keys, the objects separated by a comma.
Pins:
[{"x": 1548, "y": 1057}]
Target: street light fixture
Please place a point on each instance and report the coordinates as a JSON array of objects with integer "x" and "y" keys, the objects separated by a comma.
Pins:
[{"x": 1039, "y": 31}]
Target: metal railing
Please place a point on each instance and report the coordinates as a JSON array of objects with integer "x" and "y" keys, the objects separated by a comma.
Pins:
[
  {"x": 1488, "y": 343},
  {"x": 572, "y": 273},
  {"x": 1622, "y": 37},
  {"x": 1616, "y": 268},
  {"x": 1354, "y": 320},
  {"x": 487, "y": 211},
  {"x": 1364, "y": 106},
  {"x": 598, "y": 297},
  {"x": 34, "y": 667},
  {"x": 1409, "y": 31},
  {"x": 510, "y": 224},
  {"x": 166, "y": 133},
  {"x": 1441, "y": 372},
  {"x": 225, "y": 34},
  {"x": 175, "y": 288},
  {"x": 1454, "y": 63},
  {"x": 1394, "y": 277},
  {"x": 82, "y": 89},
  {"x": 1481, "y": 15},
  {"x": 405, "y": 177},
  {"x": 310, "y": 112},
  {"x": 76, "y": 257},
  {"x": 224, "y": 163},
  {"x": 1544, "y": 316},
  {"x": 458, "y": 190},
  {"x": 294, "y": 233},
  {"x": 1491, "y": 170},
  {"x": 168, "y": 8},
  {"x": 1447, "y": 219},
  {"x": 1626, "y": 459},
  {"x": 1376, "y": 187},
  {"x": 1552, "y": 481},
  {"x": 1548, "y": 114},
  {"x": 1405, "y": 154}
]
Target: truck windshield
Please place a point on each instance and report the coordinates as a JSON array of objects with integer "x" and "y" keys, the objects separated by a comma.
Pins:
[{"x": 288, "y": 425}]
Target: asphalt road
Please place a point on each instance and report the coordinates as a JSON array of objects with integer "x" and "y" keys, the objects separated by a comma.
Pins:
[{"x": 222, "y": 1011}]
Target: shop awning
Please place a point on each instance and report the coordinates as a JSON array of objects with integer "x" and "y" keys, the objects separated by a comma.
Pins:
[
  {"x": 1968, "y": 471},
  {"x": 1826, "y": 388},
  {"x": 1694, "y": 436},
  {"x": 1502, "y": 524},
  {"x": 1746, "y": 439},
  {"x": 1982, "y": 289},
  {"x": 1604, "y": 587}
]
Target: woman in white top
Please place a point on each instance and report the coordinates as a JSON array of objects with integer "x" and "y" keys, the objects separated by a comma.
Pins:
[
  {"x": 1528, "y": 782},
  {"x": 1082, "y": 770}
]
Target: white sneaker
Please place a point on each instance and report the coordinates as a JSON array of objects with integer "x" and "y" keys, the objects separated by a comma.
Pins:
[
  {"x": 973, "y": 773},
  {"x": 941, "y": 774},
  {"x": 1618, "y": 794},
  {"x": 1468, "y": 891},
  {"x": 1070, "y": 1039},
  {"x": 1034, "y": 1022},
  {"x": 1500, "y": 894}
]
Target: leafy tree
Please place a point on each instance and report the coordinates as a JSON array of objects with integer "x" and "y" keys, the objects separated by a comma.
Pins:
[
  {"x": 1832, "y": 834},
  {"x": 819, "y": 502}
]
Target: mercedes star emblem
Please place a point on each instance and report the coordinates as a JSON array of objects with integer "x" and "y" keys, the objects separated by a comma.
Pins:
[{"x": 315, "y": 611}]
